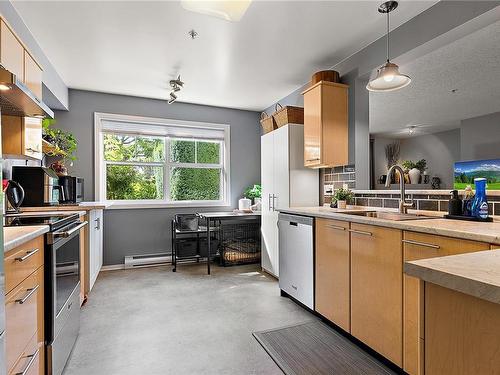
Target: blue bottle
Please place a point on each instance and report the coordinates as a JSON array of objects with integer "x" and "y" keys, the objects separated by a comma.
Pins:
[{"x": 480, "y": 204}]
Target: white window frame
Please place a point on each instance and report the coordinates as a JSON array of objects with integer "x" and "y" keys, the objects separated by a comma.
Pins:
[{"x": 99, "y": 163}]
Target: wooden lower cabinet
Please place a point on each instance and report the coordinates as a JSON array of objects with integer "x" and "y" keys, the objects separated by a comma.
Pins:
[
  {"x": 377, "y": 289},
  {"x": 421, "y": 246},
  {"x": 24, "y": 308},
  {"x": 332, "y": 277},
  {"x": 462, "y": 333}
]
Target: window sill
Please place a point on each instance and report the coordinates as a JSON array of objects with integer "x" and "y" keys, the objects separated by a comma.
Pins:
[{"x": 116, "y": 205}]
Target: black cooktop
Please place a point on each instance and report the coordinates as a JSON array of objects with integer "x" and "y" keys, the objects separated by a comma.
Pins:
[{"x": 54, "y": 221}]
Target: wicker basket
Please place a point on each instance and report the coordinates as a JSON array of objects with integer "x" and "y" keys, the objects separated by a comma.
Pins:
[
  {"x": 267, "y": 122},
  {"x": 288, "y": 115}
]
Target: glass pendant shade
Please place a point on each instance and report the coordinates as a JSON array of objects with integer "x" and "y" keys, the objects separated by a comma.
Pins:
[{"x": 388, "y": 79}]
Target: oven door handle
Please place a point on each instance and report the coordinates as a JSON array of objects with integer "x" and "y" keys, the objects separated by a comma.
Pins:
[{"x": 68, "y": 233}]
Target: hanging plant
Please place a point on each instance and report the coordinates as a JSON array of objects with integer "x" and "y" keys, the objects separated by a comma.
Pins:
[{"x": 65, "y": 144}]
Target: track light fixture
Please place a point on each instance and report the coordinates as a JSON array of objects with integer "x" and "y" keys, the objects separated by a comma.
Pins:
[{"x": 176, "y": 85}]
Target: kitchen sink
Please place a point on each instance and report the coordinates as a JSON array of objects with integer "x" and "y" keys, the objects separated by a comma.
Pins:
[{"x": 395, "y": 216}]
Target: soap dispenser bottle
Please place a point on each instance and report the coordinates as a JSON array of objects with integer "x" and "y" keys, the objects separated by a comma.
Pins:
[
  {"x": 455, "y": 204},
  {"x": 480, "y": 204}
]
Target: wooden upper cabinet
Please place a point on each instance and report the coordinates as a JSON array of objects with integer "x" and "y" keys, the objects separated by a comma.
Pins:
[
  {"x": 11, "y": 51},
  {"x": 377, "y": 289},
  {"x": 332, "y": 291},
  {"x": 422, "y": 246},
  {"x": 22, "y": 136},
  {"x": 326, "y": 128},
  {"x": 32, "y": 75}
]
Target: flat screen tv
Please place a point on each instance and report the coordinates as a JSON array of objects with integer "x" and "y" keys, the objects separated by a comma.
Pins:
[{"x": 466, "y": 171}]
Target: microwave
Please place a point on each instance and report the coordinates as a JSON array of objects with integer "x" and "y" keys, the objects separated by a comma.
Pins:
[{"x": 71, "y": 189}]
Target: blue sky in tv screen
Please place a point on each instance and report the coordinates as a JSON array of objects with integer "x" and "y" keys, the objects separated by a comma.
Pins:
[{"x": 466, "y": 171}]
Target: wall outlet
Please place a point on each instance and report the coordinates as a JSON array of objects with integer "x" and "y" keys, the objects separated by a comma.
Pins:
[{"x": 327, "y": 190}]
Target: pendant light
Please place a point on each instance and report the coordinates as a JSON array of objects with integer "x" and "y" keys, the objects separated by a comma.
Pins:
[{"x": 388, "y": 76}]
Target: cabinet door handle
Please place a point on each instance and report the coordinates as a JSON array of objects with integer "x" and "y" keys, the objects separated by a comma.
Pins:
[
  {"x": 32, "y": 150},
  {"x": 98, "y": 223},
  {"x": 335, "y": 227},
  {"x": 30, "y": 363},
  {"x": 274, "y": 204},
  {"x": 270, "y": 204},
  {"x": 28, "y": 254},
  {"x": 315, "y": 159},
  {"x": 423, "y": 244},
  {"x": 362, "y": 232},
  {"x": 30, "y": 291}
]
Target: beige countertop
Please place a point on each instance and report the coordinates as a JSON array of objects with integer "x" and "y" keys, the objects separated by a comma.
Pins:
[
  {"x": 15, "y": 236},
  {"x": 476, "y": 274},
  {"x": 470, "y": 230},
  {"x": 87, "y": 206}
]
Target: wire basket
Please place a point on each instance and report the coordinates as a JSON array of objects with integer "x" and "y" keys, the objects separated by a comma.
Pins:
[{"x": 240, "y": 243}]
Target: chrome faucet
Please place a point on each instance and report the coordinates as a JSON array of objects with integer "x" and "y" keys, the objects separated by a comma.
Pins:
[{"x": 403, "y": 204}]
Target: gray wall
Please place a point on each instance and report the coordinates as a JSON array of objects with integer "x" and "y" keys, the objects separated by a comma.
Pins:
[
  {"x": 480, "y": 137},
  {"x": 440, "y": 150},
  {"x": 143, "y": 231},
  {"x": 426, "y": 31}
]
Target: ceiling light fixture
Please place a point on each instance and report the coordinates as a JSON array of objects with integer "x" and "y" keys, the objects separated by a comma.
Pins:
[
  {"x": 412, "y": 129},
  {"x": 231, "y": 10},
  {"x": 4, "y": 87},
  {"x": 176, "y": 85},
  {"x": 388, "y": 76}
]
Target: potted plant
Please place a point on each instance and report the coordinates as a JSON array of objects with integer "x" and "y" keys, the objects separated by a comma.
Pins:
[
  {"x": 253, "y": 193},
  {"x": 342, "y": 196},
  {"x": 392, "y": 151},
  {"x": 62, "y": 145},
  {"x": 415, "y": 169}
]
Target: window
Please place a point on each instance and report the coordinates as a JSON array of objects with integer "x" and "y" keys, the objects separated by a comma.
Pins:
[{"x": 146, "y": 162}]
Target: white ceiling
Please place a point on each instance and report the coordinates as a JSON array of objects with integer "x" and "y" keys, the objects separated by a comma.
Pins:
[
  {"x": 471, "y": 65},
  {"x": 136, "y": 47}
]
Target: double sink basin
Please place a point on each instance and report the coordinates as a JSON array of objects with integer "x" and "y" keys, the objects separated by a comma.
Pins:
[{"x": 394, "y": 216}]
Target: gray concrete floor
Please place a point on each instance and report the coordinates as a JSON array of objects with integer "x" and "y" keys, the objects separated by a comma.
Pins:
[{"x": 153, "y": 321}]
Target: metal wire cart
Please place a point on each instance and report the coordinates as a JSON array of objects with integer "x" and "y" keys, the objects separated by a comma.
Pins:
[{"x": 234, "y": 238}]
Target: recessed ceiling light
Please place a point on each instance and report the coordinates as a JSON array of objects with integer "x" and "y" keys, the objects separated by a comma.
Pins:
[
  {"x": 231, "y": 10},
  {"x": 453, "y": 90}
]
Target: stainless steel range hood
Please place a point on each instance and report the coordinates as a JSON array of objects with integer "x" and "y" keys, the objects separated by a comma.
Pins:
[{"x": 17, "y": 100}]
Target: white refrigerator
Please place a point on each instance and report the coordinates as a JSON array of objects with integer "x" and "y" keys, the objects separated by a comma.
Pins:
[{"x": 285, "y": 183}]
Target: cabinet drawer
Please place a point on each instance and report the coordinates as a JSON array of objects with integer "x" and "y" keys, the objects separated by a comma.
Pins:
[
  {"x": 29, "y": 362},
  {"x": 21, "y": 308},
  {"x": 22, "y": 262}
]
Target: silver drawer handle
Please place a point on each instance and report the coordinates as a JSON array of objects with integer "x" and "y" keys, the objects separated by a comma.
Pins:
[
  {"x": 28, "y": 254},
  {"x": 364, "y": 233},
  {"x": 315, "y": 159},
  {"x": 423, "y": 244},
  {"x": 71, "y": 231},
  {"x": 30, "y": 291},
  {"x": 32, "y": 358},
  {"x": 335, "y": 227}
]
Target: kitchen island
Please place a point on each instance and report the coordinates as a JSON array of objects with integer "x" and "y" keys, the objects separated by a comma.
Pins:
[{"x": 462, "y": 312}]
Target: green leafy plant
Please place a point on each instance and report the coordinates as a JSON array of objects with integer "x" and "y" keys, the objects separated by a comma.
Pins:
[
  {"x": 343, "y": 195},
  {"x": 421, "y": 165},
  {"x": 408, "y": 164},
  {"x": 65, "y": 144},
  {"x": 253, "y": 192}
]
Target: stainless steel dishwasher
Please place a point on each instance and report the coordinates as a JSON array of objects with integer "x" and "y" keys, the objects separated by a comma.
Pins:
[{"x": 296, "y": 257}]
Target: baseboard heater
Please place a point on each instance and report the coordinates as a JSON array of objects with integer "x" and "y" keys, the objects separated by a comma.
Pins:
[{"x": 147, "y": 260}]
